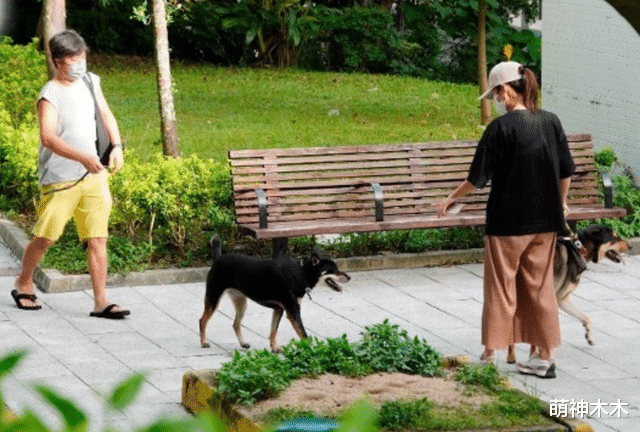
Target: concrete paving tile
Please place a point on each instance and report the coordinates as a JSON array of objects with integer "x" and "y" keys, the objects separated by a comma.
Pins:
[
  {"x": 212, "y": 361},
  {"x": 102, "y": 376},
  {"x": 146, "y": 414},
  {"x": 626, "y": 424},
  {"x": 434, "y": 292},
  {"x": 167, "y": 380},
  {"x": 402, "y": 277},
  {"x": 614, "y": 320},
  {"x": 613, "y": 281},
  {"x": 628, "y": 386}
]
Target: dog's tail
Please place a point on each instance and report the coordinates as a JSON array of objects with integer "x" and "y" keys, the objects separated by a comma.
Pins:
[{"x": 216, "y": 247}]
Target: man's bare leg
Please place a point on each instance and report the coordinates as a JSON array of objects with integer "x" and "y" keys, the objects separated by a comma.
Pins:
[{"x": 32, "y": 256}]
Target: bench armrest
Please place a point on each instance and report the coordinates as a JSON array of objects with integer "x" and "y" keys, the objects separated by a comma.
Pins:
[
  {"x": 262, "y": 208},
  {"x": 608, "y": 189}
]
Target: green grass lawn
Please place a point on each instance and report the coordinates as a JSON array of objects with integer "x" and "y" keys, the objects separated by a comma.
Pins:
[{"x": 219, "y": 109}]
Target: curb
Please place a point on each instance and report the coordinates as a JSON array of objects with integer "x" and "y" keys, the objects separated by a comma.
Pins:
[
  {"x": 53, "y": 281},
  {"x": 199, "y": 394}
]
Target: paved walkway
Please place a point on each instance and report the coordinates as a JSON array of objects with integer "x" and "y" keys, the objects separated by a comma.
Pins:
[{"x": 84, "y": 357}]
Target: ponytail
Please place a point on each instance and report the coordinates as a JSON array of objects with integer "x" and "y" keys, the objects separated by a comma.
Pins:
[
  {"x": 531, "y": 90},
  {"x": 527, "y": 86}
]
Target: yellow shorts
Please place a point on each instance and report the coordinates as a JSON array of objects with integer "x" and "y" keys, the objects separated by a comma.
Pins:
[{"x": 88, "y": 202}]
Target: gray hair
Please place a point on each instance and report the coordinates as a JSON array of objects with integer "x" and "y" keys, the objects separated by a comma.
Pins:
[{"x": 67, "y": 43}]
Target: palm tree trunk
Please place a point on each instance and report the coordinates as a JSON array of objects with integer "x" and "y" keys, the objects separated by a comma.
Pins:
[{"x": 168, "y": 121}]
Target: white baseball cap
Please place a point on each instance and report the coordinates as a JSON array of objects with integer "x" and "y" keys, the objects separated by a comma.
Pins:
[{"x": 502, "y": 73}]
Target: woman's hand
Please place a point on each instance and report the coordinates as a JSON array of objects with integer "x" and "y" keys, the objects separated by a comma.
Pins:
[{"x": 442, "y": 206}]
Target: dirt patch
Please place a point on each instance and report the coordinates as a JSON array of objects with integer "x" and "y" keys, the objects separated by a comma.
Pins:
[{"x": 329, "y": 394}]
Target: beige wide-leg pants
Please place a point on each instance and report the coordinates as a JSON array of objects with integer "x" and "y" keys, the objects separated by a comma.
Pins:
[{"x": 519, "y": 295}]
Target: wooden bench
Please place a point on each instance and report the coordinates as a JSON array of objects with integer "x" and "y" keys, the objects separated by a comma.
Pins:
[{"x": 284, "y": 193}]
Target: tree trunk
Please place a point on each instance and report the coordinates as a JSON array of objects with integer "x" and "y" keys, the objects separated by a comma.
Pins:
[
  {"x": 485, "y": 106},
  {"x": 53, "y": 20},
  {"x": 168, "y": 122}
]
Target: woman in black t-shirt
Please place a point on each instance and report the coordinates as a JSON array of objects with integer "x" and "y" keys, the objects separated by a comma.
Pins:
[{"x": 525, "y": 155}]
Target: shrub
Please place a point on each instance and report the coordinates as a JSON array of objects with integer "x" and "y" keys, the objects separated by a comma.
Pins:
[
  {"x": 171, "y": 202},
  {"x": 18, "y": 154},
  {"x": 355, "y": 39},
  {"x": 23, "y": 72}
]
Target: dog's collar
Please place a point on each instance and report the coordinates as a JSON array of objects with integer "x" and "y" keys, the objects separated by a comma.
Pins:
[{"x": 573, "y": 238}]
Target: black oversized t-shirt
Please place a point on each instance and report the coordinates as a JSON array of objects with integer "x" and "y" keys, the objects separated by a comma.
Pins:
[{"x": 523, "y": 154}]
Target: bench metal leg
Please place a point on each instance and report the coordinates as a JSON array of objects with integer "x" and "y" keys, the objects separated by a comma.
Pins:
[{"x": 280, "y": 246}]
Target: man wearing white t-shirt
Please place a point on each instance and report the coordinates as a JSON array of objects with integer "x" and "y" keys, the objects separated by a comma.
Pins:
[{"x": 73, "y": 181}]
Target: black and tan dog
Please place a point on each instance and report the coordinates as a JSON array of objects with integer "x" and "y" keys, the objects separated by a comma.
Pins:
[
  {"x": 279, "y": 284},
  {"x": 600, "y": 242}
]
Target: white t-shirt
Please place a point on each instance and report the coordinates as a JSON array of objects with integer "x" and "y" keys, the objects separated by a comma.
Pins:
[{"x": 76, "y": 126}]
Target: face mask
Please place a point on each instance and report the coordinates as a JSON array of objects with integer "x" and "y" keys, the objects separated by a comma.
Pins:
[
  {"x": 77, "y": 69},
  {"x": 499, "y": 106}
]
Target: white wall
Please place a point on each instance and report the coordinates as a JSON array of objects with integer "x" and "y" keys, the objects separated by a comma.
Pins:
[{"x": 591, "y": 74}]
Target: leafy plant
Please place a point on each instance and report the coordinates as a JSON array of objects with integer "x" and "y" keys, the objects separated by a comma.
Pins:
[
  {"x": 275, "y": 26},
  {"x": 255, "y": 375},
  {"x": 385, "y": 347},
  {"x": 402, "y": 414},
  {"x": 485, "y": 376},
  {"x": 18, "y": 153},
  {"x": 22, "y": 75}
]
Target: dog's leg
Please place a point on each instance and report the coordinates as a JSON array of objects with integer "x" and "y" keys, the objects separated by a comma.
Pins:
[
  {"x": 209, "y": 309},
  {"x": 572, "y": 310},
  {"x": 240, "y": 304},
  {"x": 275, "y": 322},
  {"x": 511, "y": 354},
  {"x": 296, "y": 321}
]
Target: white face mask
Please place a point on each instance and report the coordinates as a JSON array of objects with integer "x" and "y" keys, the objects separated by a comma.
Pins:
[
  {"x": 77, "y": 69},
  {"x": 499, "y": 106}
]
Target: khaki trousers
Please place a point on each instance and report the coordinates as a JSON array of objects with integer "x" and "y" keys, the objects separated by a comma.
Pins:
[{"x": 519, "y": 294}]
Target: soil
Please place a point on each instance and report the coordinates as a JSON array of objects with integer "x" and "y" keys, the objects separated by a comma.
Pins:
[{"x": 329, "y": 394}]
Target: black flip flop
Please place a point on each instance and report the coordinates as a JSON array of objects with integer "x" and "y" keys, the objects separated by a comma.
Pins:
[
  {"x": 109, "y": 313},
  {"x": 17, "y": 297}
]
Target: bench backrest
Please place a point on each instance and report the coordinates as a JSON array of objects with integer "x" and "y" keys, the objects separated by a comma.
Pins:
[{"x": 335, "y": 182}]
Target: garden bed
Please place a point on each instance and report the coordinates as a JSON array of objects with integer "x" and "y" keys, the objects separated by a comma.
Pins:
[{"x": 410, "y": 387}]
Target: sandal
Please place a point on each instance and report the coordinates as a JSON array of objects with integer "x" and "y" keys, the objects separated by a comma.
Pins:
[
  {"x": 109, "y": 313},
  {"x": 18, "y": 297}
]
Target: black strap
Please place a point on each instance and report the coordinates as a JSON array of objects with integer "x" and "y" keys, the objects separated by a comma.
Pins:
[{"x": 103, "y": 142}]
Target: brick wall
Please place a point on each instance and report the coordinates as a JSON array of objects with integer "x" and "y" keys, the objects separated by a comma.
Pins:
[{"x": 591, "y": 74}]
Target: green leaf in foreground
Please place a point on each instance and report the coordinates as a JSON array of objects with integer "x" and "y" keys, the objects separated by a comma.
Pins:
[
  {"x": 124, "y": 394},
  {"x": 74, "y": 418}
]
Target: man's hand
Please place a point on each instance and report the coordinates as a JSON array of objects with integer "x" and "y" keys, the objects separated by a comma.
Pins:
[
  {"x": 116, "y": 159},
  {"x": 92, "y": 164}
]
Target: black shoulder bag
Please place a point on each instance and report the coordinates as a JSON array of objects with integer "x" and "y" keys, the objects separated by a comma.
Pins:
[{"x": 103, "y": 143}]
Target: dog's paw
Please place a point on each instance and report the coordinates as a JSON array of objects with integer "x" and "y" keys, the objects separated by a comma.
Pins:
[
  {"x": 245, "y": 345},
  {"x": 276, "y": 350},
  {"x": 206, "y": 345}
]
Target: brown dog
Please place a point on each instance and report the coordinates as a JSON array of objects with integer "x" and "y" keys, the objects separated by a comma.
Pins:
[{"x": 600, "y": 242}]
